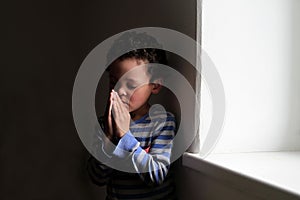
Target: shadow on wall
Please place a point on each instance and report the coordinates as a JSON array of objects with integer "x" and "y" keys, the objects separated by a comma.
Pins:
[
  {"x": 45, "y": 42},
  {"x": 293, "y": 128},
  {"x": 295, "y": 75}
]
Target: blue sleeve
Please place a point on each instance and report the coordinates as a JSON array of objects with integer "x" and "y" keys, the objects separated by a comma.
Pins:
[{"x": 152, "y": 166}]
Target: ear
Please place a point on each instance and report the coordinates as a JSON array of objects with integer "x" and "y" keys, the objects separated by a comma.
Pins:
[{"x": 156, "y": 86}]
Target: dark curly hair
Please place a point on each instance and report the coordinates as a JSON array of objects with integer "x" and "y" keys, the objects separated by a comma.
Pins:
[{"x": 152, "y": 53}]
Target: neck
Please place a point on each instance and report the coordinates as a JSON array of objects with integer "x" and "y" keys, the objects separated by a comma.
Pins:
[{"x": 137, "y": 114}]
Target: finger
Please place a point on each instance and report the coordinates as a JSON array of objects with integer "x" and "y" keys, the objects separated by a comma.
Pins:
[
  {"x": 116, "y": 105},
  {"x": 111, "y": 102},
  {"x": 110, "y": 128},
  {"x": 121, "y": 104},
  {"x": 109, "y": 120}
]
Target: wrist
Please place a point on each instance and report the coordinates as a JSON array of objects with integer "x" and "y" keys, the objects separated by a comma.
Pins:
[{"x": 121, "y": 133}]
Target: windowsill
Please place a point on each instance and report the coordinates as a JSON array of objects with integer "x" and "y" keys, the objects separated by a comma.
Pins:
[{"x": 264, "y": 173}]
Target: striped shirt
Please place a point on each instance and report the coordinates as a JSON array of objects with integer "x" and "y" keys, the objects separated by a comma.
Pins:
[{"x": 148, "y": 144}]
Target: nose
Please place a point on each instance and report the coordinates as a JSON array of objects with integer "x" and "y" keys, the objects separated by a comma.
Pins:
[{"x": 121, "y": 91}]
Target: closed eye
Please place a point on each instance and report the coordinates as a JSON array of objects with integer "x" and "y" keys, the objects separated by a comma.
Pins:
[{"x": 131, "y": 86}]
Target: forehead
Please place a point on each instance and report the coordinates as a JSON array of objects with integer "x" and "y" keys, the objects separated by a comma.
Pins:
[{"x": 131, "y": 68}]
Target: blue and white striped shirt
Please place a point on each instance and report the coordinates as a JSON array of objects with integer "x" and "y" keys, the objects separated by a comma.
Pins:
[{"x": 148, "y": 145}]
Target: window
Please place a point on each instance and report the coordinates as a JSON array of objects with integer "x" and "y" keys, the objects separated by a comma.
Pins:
[{"x": 255, "y": 47}]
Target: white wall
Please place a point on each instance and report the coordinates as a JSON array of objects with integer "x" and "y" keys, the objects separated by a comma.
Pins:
[{"x": 255, "y": 46}]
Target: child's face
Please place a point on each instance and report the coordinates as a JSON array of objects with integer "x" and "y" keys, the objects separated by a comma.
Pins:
[{"x": 130, "y": 79}]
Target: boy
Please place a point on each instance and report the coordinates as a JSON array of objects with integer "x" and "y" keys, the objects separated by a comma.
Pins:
[{"x": 143, "y": 137}]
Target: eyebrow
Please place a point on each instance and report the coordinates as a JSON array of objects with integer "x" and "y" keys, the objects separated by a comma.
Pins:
[{"x": 132, "y": 80}]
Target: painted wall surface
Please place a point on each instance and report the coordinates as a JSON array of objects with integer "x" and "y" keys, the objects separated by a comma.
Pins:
[
  {"x": 255, "y": 46},
  {"x": 214, "y": 183},
  {"x": 43, "y": 45},
  {"x": 196, "y": 185}
]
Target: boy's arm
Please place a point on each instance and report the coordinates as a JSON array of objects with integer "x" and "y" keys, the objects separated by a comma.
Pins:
[{"x": 152, "y": 166}]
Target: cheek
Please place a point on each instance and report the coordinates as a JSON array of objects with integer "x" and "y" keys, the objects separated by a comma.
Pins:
[
  {"x": 136, "y": 98},
  {"x": 140, "y": 96}
]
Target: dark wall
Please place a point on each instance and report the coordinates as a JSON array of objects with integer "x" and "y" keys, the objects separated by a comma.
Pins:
[{"x": 43, "y": 44}]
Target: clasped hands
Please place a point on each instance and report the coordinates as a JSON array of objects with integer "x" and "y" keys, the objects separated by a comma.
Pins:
[{"x": 118, "y": 117}]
